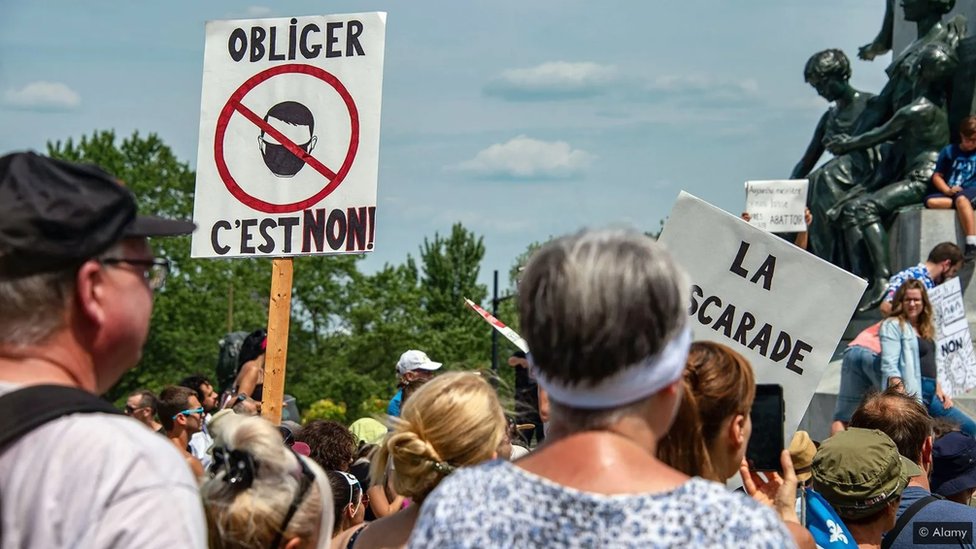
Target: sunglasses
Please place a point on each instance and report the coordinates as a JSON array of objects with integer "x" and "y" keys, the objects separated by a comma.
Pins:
[
  {"x": 129, "y": 410},
  {"x": 189, "y": 412}
]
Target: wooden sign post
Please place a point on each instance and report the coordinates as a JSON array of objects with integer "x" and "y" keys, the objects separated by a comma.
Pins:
[{"x": 279, "y": 316}]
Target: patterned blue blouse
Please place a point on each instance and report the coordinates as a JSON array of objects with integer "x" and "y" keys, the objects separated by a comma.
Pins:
[{"x": 501, "y": 505}]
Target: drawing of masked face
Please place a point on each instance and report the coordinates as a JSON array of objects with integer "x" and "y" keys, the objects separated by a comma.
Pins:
[{"x": 282, "y": 162}]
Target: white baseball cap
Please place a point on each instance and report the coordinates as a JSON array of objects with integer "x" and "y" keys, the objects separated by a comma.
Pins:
[{"x": 415, "y": 360}]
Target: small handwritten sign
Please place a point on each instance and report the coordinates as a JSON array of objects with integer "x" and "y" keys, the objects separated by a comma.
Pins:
[{"x": 777, "y": 206}]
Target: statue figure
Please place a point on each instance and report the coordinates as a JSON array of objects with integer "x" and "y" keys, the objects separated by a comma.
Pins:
[
  {"x": 884, "y": 163},
  {"x": 899, "y": 90},
  {"x": 829, "y": 73},
  {"x": 918, "y": 130},
  {"x": 883, "y": 41}
]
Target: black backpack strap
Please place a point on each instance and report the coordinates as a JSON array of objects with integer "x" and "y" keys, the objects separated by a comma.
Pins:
[
  {"x": 24, "y": 410},
  {"x": 905, "y": 518}
]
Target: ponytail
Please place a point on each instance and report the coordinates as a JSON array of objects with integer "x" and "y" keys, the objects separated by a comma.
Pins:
[{"x": 683, "y": 448}]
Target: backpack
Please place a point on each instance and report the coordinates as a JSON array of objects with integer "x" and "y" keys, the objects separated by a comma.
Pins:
[
  {"x": 26, "y": 409},
  {"x": 230, "y": 349}
]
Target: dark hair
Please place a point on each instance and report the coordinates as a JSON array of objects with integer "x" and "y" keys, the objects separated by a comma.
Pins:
[
  {"x": 194, "y": 382},
  {"x": 173, "y": 400},
  {"x": 900, "y": 416},
  {"x": 942, "y": 426},
  {"x": 332, "y": 445},
  {"x": 342, "y": 494},
  {"x": 146, "y": 399},
  {"x": 943, "y": 251},
  {"x": 830, "y": 63},
  {"x": 251, "y": 347},
  {"x": 292, "y": 112},
  {"x": 594, "y": 303},
  {"x": 718, "y": 384},
  {"x": 967, "y": 128}
]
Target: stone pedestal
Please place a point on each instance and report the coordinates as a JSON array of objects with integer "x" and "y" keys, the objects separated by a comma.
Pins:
[{"x": 915, "y": 232}]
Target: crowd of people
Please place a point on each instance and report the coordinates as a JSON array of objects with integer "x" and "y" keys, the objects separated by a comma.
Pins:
[{"x": 624, "y": 433}]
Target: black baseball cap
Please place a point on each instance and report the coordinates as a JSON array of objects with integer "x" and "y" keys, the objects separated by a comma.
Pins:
[{"x": 55, "y": 213}]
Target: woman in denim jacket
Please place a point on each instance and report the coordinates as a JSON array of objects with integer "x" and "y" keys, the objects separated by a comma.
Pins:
[{"x": 909, "y": 328}]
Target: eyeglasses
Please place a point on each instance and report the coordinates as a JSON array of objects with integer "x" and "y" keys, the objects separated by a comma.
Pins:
[
  {"x": 155, "y": 270},
  {"x": 307, "y": 478},
  {"x": 189, "y": 412},
  {"x": 129, "y": 410}
]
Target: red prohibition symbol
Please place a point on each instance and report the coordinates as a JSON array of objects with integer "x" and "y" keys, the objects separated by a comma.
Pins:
[{"x": 234, "y": 104}]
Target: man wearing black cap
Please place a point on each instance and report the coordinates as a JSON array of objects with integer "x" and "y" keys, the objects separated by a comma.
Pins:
[{"x": 77, "y": 277}]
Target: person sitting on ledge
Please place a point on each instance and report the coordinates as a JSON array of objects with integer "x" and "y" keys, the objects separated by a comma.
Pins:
[{"x": 955, "y": 180}]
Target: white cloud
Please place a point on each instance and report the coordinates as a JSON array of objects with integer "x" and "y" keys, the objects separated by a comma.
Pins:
[
  {"x": 554, "y": 80},
  {"x": 526, "y": 158},
  {"x": 258, "y": 11},
  {"x": 42, "y": 96},
  {"x": 702, "y": 89}
]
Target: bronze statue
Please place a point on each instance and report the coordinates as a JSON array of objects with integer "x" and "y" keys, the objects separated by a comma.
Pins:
[
  {"x": 829, "y": 73},
  {"x": 882, "y": 163},
  {"x": 883, "y": 41},
  {"x": 918, "y": 131}
]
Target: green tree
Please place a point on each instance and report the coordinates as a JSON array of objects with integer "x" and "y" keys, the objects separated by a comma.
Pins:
[{"x": 450, "y": 274}]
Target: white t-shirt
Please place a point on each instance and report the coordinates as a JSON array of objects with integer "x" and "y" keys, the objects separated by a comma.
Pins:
[
  {"x": 98, "y": 481},
  {"x": 200, "y": 442}
]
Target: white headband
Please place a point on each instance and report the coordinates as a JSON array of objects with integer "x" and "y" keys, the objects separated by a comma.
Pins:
[{"x": 631, "y": 384}]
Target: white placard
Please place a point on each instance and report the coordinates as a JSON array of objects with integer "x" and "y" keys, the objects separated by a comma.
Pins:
[
  {"x": 781, "y": 307},
  {"x": 777, "y": 206},
  {"x": 954, "y": 353},
  {"x": 289, "y": 136}
]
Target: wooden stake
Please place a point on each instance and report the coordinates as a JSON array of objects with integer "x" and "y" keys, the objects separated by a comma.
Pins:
[{"x": 279, "y": 316}]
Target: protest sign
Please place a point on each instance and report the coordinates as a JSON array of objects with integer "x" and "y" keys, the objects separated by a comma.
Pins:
[
  {"x": 289, "y": 136},
  {"x": 954, "y": 353},
  {"x": 777, "y": 206},
  {"x": 780, "y": 307},
  {"x": 498, "y": 325}
]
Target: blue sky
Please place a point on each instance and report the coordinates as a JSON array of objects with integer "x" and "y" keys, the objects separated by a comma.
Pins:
[{"x": 520, "y": 119}]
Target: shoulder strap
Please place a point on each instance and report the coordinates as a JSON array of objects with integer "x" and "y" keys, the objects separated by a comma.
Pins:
[
  {"x": 24, "y": 410},
  {"x": 905, "y": 518}
]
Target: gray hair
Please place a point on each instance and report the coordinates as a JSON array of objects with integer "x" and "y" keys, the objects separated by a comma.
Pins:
[
  {"x": 34, "y": 305},
  {"x": 593, "y": 303}
]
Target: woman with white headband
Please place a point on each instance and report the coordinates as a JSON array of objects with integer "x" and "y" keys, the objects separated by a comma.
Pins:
[{"x": 605, "y": 316}]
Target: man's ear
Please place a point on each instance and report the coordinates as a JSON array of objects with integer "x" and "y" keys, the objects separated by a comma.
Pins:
[
  {"x": 261, "y": 144},
  {"x": 311, "y": 143},
  {"x": 91, "y": 291},
  {"x": 926, "y": 456},
  {"x": 294, "y": 543}
]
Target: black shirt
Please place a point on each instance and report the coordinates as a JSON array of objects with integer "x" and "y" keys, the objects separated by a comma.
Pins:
[{"x": 926, "y": 358}]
